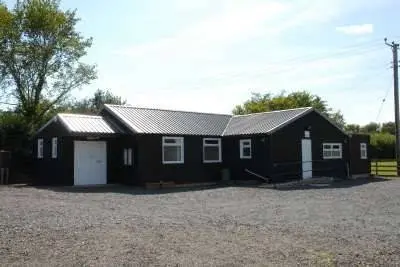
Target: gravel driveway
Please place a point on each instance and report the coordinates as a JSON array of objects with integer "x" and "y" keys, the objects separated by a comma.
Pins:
[{"x": 351, "y": 223}]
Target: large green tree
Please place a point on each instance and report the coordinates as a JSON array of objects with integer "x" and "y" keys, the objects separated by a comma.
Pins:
[
  {"x": 40, "y": 56},
  {"x": 269, "y": 102}
]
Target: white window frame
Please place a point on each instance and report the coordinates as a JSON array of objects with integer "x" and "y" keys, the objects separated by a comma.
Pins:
[
  {"x": 363, "y": 151},
  {"x": 40, "y": 148},
  {"x": 340, "y": 149},
  {"x": 128, "y": 157},
  {"x": 245, "y": 143},
  {"x": 212, "y": 145},
  {"x": 54, "y": 147},
  {"x": 179, "y": 143}
]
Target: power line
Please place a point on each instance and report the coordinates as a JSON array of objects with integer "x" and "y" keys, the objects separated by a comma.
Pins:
[{"x": 382, "y": 104}]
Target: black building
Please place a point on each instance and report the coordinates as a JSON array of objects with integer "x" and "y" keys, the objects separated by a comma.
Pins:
[{"x": 138, "y": 145}]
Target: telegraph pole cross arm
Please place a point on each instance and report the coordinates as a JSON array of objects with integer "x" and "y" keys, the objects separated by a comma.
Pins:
[{"x": 395, "y": 47}]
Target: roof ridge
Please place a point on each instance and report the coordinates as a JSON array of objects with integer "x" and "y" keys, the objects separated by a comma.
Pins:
[
  {"x": 272, "y": 111},
  {"x": 79, "y": 115},
  {"x": 171, "y": 110}
]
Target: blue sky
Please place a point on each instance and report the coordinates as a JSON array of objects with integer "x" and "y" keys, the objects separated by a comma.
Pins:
[{"x": 209, "y": 55}]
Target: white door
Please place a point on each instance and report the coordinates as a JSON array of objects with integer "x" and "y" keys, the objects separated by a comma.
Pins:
[
  {"x": 90, "y": 162},
  {"x": 306, "y": 156}
]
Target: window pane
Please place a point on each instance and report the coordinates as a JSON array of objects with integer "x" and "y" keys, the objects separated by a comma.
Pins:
[
  {"x": 170, "y": 141},
  {"x": 246, "y": 152},
  {"x": 327, "y": 146},
  {"x": 211, "y": 153},
  {"x": 211, "y": 142},
  {"x": 327, "y": 153},
  {"x": 336, "y": 147},
  {"x": 245, "y": 143},
  {"x": 172, "y": 153},
  {"x": 130, "y": 156},
  {"x": 125, "y": 156}
]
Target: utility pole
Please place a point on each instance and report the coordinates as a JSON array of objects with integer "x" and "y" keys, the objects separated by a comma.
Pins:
[{"x": 395, "y": 47}]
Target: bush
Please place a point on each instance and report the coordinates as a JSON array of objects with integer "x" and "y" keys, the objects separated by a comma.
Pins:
[{"x": 382, "y": 146}]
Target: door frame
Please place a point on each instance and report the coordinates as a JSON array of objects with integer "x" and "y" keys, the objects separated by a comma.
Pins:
[{"x": 306, "y": 165}]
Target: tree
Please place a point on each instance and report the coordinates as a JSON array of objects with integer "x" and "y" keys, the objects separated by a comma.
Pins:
[
  {"x": 94, "y": 104},
  {"x": 40, "y": 53},
  {"x": 371, "y": 127},
  {"x": 268, "y": 102},
  {"x": 389, "y": 127},
  {"x": 352, "y": 128}
]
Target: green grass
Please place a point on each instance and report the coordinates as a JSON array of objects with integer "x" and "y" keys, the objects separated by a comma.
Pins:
[{"x": 385, "y": 168}]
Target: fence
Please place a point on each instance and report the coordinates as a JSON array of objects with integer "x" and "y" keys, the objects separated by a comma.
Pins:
[{"x": 383, "y": 167}]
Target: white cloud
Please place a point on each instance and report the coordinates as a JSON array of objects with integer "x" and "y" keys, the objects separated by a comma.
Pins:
[
  {"x": 356, "y": 29},
  {"x": 206, "y": 60},
  {"x": 237, "y": 21}
]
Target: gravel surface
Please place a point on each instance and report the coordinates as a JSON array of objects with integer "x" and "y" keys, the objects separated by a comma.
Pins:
[{"x": 350, "y": 223}]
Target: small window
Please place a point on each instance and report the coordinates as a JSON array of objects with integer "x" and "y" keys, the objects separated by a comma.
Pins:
[
  {"x": 212, "y": 150},
  {"x": 332, "y": 151},
  {"x": 245, "y": 149},
  {"x": 54, "y": 145},
  {"x": 172, "y": 150},
  {"x": 363, "y": 151},
  {"x": 40, "y": 148},
  {"x": 128, "y": 157}
]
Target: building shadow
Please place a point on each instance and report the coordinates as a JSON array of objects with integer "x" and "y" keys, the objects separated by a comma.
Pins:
[
  {"x": 335, "y": 184},
  {"x": 135, "y": 190},
  {"x": 120, "y": 189}
]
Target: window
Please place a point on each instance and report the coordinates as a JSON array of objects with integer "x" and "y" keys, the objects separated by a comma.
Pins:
[
  {"x": 363, "y": 151},
  {"x": 245, "y": 149},
  {"x": 172, "y": 150},
  {"x": 211, "y": 150},
  {"x": 332, "y": 151},
  {"x": 128, "y": 156},
  {"x": 54, "y": 144},
  {"x": 40, "y": 148}
]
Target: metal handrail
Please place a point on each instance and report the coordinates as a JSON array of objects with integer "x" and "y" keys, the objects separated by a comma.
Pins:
[{"x": 257, "y": 175}]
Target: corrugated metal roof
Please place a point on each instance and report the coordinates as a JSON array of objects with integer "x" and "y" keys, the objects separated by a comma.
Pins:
[
  {"x": 78, "y": 123},
  {"x": 264, "y": 122},
  {"x": 158, "y": 121}
]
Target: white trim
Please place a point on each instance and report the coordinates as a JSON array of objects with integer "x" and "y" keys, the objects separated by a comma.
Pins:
[
  {"x": 363, "y": 151},
  {"x": 180, "y": 144},
  {"x": 331, "y": 150},
  {"x": 54, "y": 147},
  {"x": 40, "y": 148},
  {"x": 242, "y": 146},
  {"x": 212, "y": 145},
  {"x": 128, "y": 157}
]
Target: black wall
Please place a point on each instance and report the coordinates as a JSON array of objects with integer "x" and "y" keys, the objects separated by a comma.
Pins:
[
  {"x": 286, "y": 148},
  {"x": 151, "y": 168},
  {"x": 259, "y": 162},
  {"x": 60, "y": 171},
  {"x": 358, "y": 165},
  {"x": 48, "y": 170}
]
